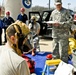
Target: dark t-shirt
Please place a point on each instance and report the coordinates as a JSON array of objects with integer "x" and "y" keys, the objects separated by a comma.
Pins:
[
  {"x": 1, "y": 26},
  {"x": 22, "y": 18},
  {"x": 7, "y": 21}
]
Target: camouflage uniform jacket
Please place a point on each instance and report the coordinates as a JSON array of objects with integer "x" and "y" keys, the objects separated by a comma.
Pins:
[{"x": 64, "y": 19}]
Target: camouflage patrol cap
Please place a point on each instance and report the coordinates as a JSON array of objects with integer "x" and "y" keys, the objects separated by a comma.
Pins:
[{"x": 58, "y": 2}]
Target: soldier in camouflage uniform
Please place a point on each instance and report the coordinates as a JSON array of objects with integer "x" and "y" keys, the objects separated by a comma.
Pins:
[{"x": 60, "y": 31}]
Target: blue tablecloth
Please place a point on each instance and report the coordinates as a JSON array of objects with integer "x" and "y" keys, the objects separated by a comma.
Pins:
[{"x": 40, "y": 59}]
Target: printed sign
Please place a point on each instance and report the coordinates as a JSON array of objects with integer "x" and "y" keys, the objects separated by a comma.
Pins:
[{"x": 27, "y": 3}]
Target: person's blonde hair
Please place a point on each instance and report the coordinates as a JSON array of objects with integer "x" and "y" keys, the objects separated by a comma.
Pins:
[{"x": 33, "y": 18}]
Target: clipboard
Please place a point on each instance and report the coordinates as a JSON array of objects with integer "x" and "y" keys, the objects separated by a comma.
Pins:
[{"x": 51, "y": 22}]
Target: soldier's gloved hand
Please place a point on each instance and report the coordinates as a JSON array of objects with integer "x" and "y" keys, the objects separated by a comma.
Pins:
[{"x": 56, "y": 24}]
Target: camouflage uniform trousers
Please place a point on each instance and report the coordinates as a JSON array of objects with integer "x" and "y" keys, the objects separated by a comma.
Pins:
[{"x": 60, "y": 49}]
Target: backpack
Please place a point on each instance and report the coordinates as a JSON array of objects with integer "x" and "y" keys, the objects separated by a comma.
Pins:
[{"x": 30, "y": 62}]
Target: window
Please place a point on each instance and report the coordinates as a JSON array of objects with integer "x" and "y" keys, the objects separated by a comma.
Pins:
[{"x": 45, "y": 14}]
